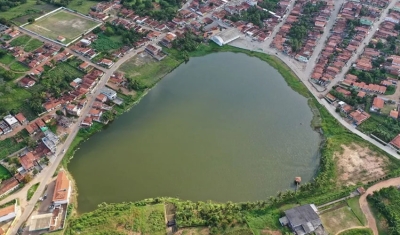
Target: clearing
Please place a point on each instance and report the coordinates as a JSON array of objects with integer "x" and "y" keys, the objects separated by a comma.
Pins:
[
  {"x": 338, "y": 218},
  {"x": 146, "y": 69},
  {"x": 62, "y": 23},
  {"x": 359, "y": 164}
]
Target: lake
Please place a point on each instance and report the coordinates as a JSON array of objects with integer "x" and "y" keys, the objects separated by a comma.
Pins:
[{"x": 223, "y": 127}]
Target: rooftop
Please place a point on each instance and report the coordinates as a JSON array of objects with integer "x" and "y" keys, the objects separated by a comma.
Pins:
[
  {"x": 61, "y": 190},
  {"x": 7, "y": 210},
  {"x": 40, "y": 222}
]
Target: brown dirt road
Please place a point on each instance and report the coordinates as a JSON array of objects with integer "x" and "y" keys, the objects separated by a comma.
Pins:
[{"x": 371, "y": 223}]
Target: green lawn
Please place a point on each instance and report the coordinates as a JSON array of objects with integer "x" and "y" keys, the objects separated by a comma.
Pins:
[
  {"x": 32, "y": 191},
  {"x": 147, "y": 70},
  {"x": 20, "y": 41},
  {"x": 106, "y": 44},
  {"x": 21, "y": 13},
  {"x": 83, "y": 8},
  {"x": 13, "y": 75},
  {"x": 12, "y": 97},
  {"x": 33, "y": 45},
  {"x": 357, "y": 231},
  {"x": 339, "y": 219},
  {"x": 354, "y": 204},
  {"x": 18, "y": 67},
  {"x": 62, "y": 23},
  {"x": 7, "y": 59},
  {"x": 9, "y": 146},
  {"x": 4, "y": 173}
]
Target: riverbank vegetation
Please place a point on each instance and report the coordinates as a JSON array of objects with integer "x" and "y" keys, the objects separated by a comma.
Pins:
[{"x": 229, "y": 217}]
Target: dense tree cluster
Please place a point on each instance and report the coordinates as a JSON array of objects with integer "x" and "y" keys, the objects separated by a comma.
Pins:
[
  {"x": 5, "y": 5},
  {"x": 387, "y": 202},
  {"x": 253, "y": 15},
  {"x": 375, "y": 76}
]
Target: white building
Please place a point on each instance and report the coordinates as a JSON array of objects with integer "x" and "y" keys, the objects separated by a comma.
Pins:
[
  {"x": 226, "y": 36},
  {"x": 11, "y": 121},
  {"x": 9, "y": 212},
  {"x": 86, "y": 42},
  {"x": 111, "y": 94}
]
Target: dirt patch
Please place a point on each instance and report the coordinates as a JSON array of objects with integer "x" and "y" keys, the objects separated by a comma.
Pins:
[
  {"x": 193, "y": 231},
  {"x": 359, "y": 164},
  {"x": 271, "y": 232}
]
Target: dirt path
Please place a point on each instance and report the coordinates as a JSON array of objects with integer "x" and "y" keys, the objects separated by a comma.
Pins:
[
  {"x": 356, "y": 227},
  {"x": 371, "y": 223}
]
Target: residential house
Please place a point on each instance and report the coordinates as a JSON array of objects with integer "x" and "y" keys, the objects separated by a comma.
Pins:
[
  {"x": 106, "y": 62},
  {"x": 101, "y": 98},
  {"x": 32, "y": 128},
  {"x": 73, "y": 109},
  {"x": 394, "y": 114},
  {"x": 5, "y": 127},
  {"x": 358, "y": 116},
  {"x": 377, "y": 104},
  {"x": 109, "y": 93},
  {"x": 8, "y": 213},
  {"x": 87, "y": 122},
  {"x": 21, "y": 118},
  {"x": 28, "y": 161},
  {"x": 62, "y": 190},
  {"x": 302, "y": 219},
  {"x": 27, "y": 82},
  {"x": 11, "y": 121},
  {"x": 7, "y": 186}
]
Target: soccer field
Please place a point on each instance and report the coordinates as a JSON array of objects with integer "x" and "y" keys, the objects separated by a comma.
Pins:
[{"x": 62, "y": 23}]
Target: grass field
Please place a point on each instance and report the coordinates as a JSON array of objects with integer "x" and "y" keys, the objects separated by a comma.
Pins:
[
  {"x": 62, "y": 23},
  {"x": 7, "y": 59},
  {"x": 4, "y": 173},
  {"x": 339, "y": 218},
  {"x": 354, "y": 204},
  {"x": 145, "y": 69},
  {"x": 83, "y": 8},
  {"x": 357, "y": 231},
  {"x": 9, "y": 146},
  {"x": 33, "y": 45},
  {"x": 21, "y": 40},
  {"x": 21, "y": 13},
  {"x": 18, "y": 67},
  {"x": 31, "y": 191},
  {"x": 13, "y": 97}
]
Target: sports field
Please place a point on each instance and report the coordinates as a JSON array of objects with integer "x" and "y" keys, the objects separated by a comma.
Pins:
[{"x": 62, "y": 23}]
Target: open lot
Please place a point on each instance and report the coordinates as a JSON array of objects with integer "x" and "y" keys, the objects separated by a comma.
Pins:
[
  {"x": 338, "y": 218},
  {"x": 62, "y": 23},
  {"x": 146, "y": 69},
  {"x": 359, "y": 164}
]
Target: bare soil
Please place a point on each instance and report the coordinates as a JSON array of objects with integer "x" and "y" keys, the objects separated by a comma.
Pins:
[
  {"x": 359, "y": 164},
  {"x": 271, "y": 232}
]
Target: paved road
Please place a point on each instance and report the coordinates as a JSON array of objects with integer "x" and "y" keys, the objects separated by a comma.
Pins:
[
  {"x": 364, "y": 204},
  {"x": 360, "y": 49}
]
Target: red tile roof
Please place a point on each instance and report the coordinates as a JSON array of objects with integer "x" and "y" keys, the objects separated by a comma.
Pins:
[{"x": 62, "y": 187}]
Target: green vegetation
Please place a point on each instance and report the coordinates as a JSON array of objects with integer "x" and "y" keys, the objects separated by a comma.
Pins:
[
  {"x": 81, "y": 6},
  {"x": 9, "y": 146},
  {"x": 18, "y": 67},
  {"x": 4, "y": 173},
  {"x": 385, "y": 128},
  {"x": 357, "y": 231},
  {"x": 105, "y": 44},
  {"x": 33, "y": 45},
  {"x": 30, "y": 9},
  {"x": 354, "y": 204},
  {"x": 165, "y": 11},
  {"x": 254, "y": 15},
  {"x": 20, "y": 41},
  {"x": 12, "y": 97},
  {"x": 7, "y": 4},
  {"x": 344, "y": 219},
  {"x": 390, "y": 90},
  {"x": 387, "y": 202},
  {"x": 32, "y": 191},
  {"x": 124, "y": 218},
  {"x": 6, "y": 58}
]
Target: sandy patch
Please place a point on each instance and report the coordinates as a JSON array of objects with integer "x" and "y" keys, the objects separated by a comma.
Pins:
[
  {"x": 271, "y": 232},
  {"x": 358, "y": 164}
]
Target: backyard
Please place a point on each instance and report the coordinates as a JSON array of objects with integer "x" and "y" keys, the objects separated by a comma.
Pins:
[
  {"x": 339, "y": 217},
  {"x": 62, "y": 23},
  {"x": 9, "y": 146}
]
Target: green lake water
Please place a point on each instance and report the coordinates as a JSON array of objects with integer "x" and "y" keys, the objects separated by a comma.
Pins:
[{"x": 223, "y": 127}]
